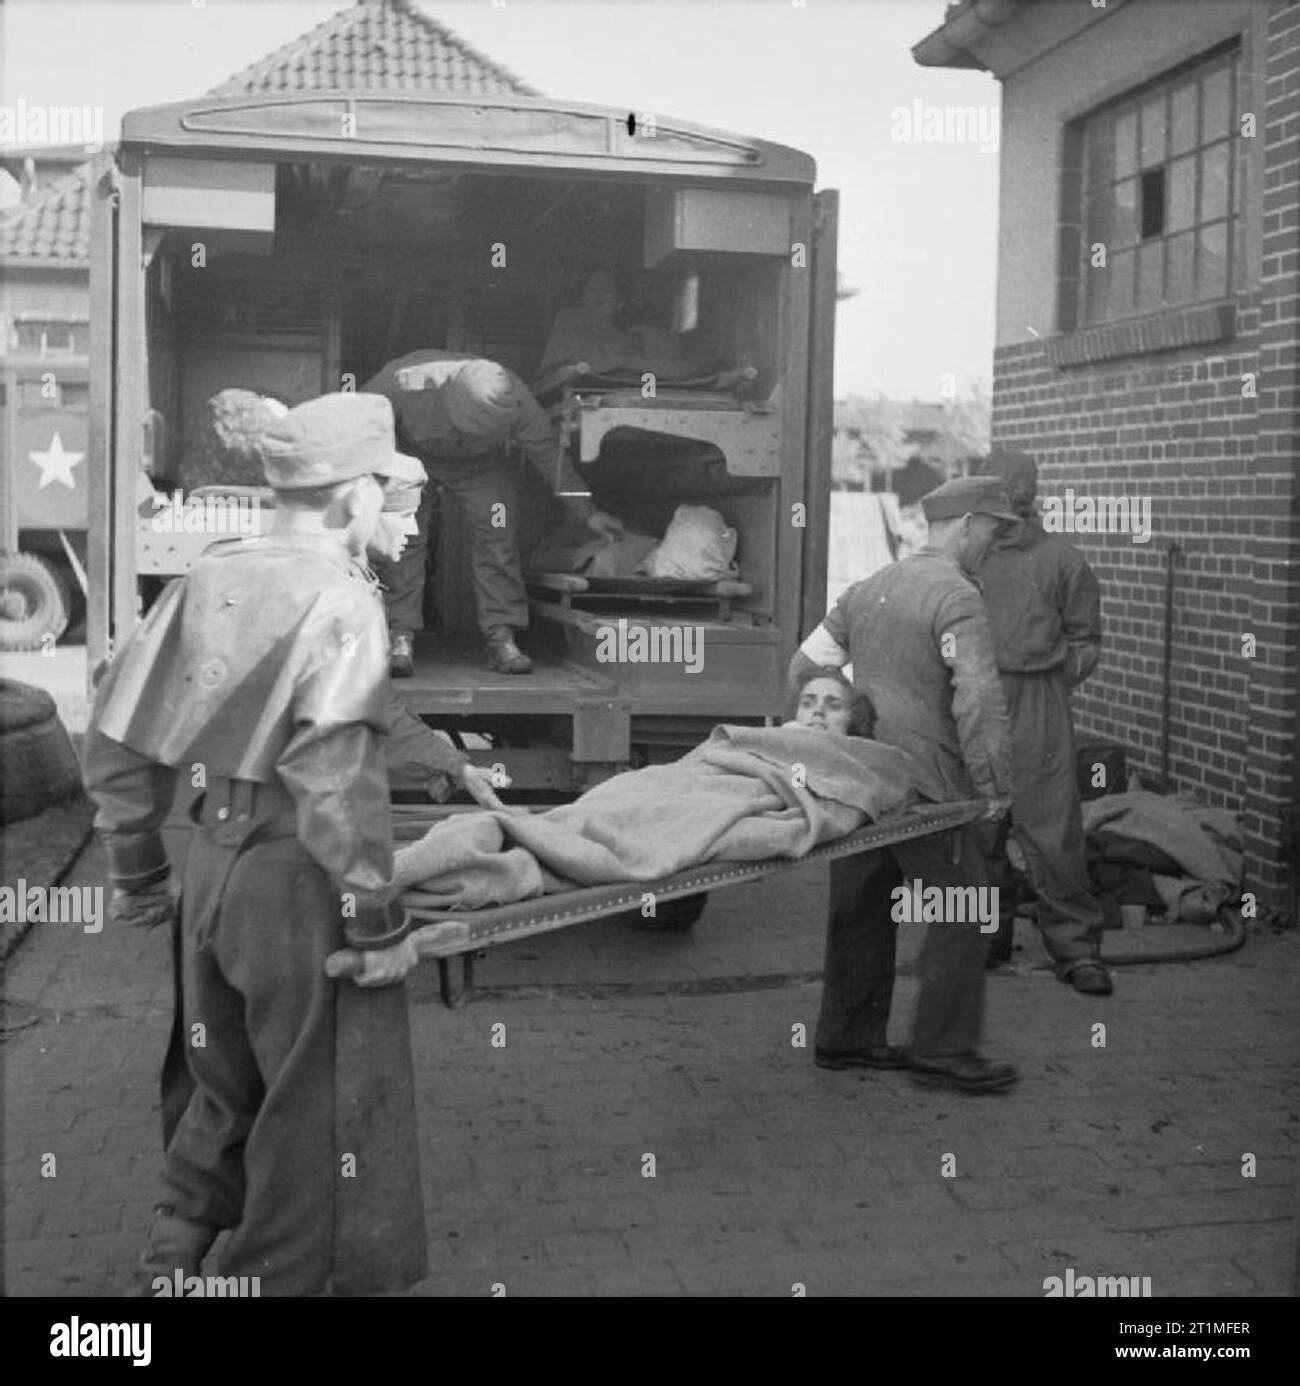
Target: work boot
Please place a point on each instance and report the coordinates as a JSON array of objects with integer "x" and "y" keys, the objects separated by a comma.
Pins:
[
  {"x": 1090, "y": 976},
  {"x": 969, "y": 1073},
  {"x": 401, "y": 655},
  {"x": 877, "y": 1056},
  {"x": 504, "y": 656},
  {"x": 175, "y": 1244}
]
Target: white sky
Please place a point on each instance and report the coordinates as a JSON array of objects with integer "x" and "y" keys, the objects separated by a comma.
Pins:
[{"x": 918, "y": 222}]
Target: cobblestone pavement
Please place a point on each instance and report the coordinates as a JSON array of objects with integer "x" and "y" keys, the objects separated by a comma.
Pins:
[{"x": 768, "y": 1172}]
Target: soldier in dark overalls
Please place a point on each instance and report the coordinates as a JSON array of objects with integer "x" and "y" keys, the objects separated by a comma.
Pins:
[
  {"x": 260, "y": 677},
  {"x": 1044, "y": 606}
]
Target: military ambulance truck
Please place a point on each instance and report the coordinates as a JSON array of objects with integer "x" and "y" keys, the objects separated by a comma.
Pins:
[
  {"x": 43, "y": 488},
  {"x": 292, "y": 244}
]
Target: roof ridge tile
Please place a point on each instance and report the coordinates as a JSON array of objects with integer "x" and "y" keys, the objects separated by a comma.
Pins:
[{"x": 390, "y": 44}]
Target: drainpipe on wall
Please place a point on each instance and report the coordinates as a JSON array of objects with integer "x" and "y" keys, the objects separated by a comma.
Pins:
[{"x": 1171, "y": 552}]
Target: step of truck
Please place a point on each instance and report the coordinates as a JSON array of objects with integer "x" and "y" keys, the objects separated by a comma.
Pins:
[{"x": 450, "y": 677}]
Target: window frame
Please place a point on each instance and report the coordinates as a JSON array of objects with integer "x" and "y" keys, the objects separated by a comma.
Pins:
[
  {"x": 76, "y": 327},
  {"x": 1076, "y": 190}
]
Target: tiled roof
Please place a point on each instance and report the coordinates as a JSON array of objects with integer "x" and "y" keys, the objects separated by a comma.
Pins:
[
  {"x": 54, "y": 228},
  {"x": 383, "y": 45}
]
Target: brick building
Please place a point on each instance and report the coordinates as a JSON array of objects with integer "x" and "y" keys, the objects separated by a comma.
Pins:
[{"x": 1148, "y": 284}]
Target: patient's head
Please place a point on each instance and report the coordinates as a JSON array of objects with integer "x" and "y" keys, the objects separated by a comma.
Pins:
[
  {"x": 827, "y": 701},
  {"x": 600, "y": 295}
]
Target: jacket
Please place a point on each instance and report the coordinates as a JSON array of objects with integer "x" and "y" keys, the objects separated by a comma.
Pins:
[
  {"x": 1044, "y": 604},
  {"x": 918, "y": 637},
  {"x": 267, "y": 662},
  {"x": 423, "y": 422}
]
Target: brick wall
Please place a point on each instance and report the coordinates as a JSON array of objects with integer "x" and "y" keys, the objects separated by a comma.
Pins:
[
  {"x": 1273, "y": 760},
  {"x": 1220, "y": 467}
]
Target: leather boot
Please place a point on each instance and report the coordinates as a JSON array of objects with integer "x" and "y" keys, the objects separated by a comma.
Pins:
[
  {"x": 1091, "y": 976},
  {"x": 175, "y": 1244},
  {"x": 970, "y": 1073},
  {"x": 503, "y": 655}
]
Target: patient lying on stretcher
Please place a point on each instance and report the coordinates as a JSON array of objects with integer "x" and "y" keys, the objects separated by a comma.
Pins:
[{"x": 745, "y": 794}]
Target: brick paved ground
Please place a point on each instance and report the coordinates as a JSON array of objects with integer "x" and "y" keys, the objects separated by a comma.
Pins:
[{"x": 768, "y": 1171}]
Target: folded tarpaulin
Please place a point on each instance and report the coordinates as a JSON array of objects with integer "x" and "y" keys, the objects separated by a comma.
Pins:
[
  {"x": 745, "y": 794},
  {"x": 699, "y": 546},
  {"x": 1206, "y": 843}
]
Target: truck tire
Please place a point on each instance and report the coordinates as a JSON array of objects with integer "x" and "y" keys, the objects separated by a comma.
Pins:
[
  {"x": 38, "y": 766},
  {"x": 33, "y": 603}
]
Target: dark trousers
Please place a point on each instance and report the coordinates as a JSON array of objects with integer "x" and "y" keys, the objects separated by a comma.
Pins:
[
  {"x": 486, "y": 495},
  {"x": 858, "y": 983},
  {"x": 1047, "y": 821},
  {"x": 254, "y": 1138}
]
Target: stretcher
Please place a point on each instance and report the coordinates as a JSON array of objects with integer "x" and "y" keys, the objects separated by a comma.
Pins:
[
  {"x": 448, "y": 935},
  {"x": 561, "y": 590},
  {"x": 714, "y": 390}
]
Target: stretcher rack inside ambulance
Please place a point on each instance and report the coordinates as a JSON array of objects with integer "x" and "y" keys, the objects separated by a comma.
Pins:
[{"x": 451, "y": 934}]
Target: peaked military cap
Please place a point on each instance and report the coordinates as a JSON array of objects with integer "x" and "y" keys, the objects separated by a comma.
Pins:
[{"x": 975, "y": 495}]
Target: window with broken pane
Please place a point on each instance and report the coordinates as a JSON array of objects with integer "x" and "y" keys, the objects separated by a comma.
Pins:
[{"x": 1158, "y": 193}]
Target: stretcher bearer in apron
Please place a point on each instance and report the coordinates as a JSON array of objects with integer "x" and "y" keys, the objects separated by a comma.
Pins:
[
  {"x": 260, "y": 677},
  {"x": 462, "y": 415},
  {"x": 1045, "y": 608},
  {"x": 416, "y": 756}
]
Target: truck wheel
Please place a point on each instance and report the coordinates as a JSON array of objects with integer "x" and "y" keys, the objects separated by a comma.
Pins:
[
  {"x": 38, "y": 766},
  {"x": 33, "y": 603}
]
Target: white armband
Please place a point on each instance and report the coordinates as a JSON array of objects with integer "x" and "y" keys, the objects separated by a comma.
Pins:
[{"x": 822, "y": 648}]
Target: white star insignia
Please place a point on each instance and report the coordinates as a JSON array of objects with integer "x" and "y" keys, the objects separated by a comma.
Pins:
[{"x": 56, "y": 464}]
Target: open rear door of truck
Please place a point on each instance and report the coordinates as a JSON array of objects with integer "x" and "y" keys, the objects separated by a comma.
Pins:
[
  {"x": 118, "y": 396},
  {"x": 103, "y": 356},
  {"x": 821, "y": 408}
]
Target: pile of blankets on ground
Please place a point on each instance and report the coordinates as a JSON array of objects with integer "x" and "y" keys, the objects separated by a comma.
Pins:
[
  {"x": 1169, "y": 853},
  {"x": 745, "y": 794}
]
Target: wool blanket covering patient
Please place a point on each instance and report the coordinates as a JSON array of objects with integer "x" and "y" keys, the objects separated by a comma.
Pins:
[{"x": 745, "y": 794}]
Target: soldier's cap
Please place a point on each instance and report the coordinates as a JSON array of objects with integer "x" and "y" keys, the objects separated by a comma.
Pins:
[
  {"x": 334, "y": 438},
  {"x": 481, "y": 400},
  {"x": 403, "y": 497},
  {"x": 975, "y": 495},
  {"x": 1017, "y": 470}
]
